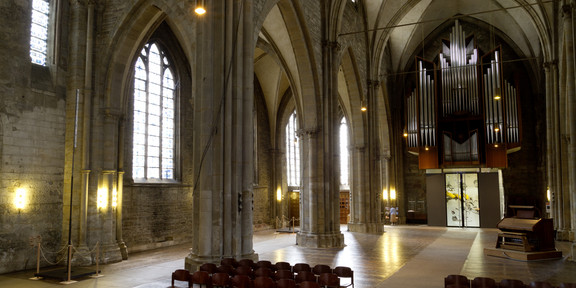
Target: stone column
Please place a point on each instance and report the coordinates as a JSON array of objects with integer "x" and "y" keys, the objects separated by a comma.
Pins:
[
  {"x": 552, "y": 141},
  {"x": 223, "y": 103}
]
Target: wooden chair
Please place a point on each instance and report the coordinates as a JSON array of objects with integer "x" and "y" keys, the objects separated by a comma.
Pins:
[
  {"x": 247, "y": 262},
  {"x": 511, "y": 283},
  {"x": 244, "y": 270},
  {"x": 211, "y": 268},
  {"x": 264, "y": 282},
  {"x": 483, "y": 282},
  {"x": 329, "y": 280},
  {"x": 304, "y": 276},
  {"x": 540, "y": 284},
  {"x": 301, "y": 267},
  {"x": 282, "y": 266},
  {"x": 227, "y": 269},
  {"x": 344, "y": 272},
  {"x": 283, "y": 274},
  {"x": 264, "y": 272},
  {"x": 180, "y": 275},
  {"x": 222, "y": 280},
  {"x": 201, "y": 278},
  {"x": 309, "y": 284},
  {"x": 229, "y": 261},
  {"x": 285, "y": 283},
  {"x": 456, "y": 280},
  {"x": 321, "y": 268},
  {"x": 264, "y": 264},
  {"x": 241, "y": 281}
]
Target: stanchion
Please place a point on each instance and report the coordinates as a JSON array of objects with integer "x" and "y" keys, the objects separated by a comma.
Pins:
[
  {"x": 98, "y": 275},
  {"x": 69, "y": 281},
  {"x": 37, "y": 243},
  {"x": 293, "y": 225}
]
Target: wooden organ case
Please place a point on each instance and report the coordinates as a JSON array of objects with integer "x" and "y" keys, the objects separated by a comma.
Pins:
[
  {"x": 525, "y": 237},
  {"x": 462, "y": 112}
]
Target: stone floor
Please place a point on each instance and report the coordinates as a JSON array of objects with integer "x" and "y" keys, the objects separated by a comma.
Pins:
[{"x": 404, "y": 256}]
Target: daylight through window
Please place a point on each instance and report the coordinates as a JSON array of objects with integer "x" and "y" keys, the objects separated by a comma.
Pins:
[
  {"x": 292, "y": 152},
  {"x": 39, "y": 31}
]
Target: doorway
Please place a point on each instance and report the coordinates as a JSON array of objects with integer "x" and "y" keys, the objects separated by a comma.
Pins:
[{"x": 462, "y": 201}]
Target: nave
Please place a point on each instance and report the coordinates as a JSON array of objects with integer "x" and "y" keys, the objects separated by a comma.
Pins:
[{"x": 404, "y": 256}]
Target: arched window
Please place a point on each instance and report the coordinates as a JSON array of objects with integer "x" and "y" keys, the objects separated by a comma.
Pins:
[
  {"x": 153, "y": 147},
  {"x": 344, "y": 154},
  {"x": 39, "y": 31},
  {"x": 292, "y": 152}
]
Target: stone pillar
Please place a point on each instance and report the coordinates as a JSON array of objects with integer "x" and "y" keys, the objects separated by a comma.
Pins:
[
  {"x": 319, "y": 213},
  {"x": 223, "y": 103}
]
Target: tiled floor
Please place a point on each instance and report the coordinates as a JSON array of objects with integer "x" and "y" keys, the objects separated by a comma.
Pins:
[{"x": 404, "y": 256}]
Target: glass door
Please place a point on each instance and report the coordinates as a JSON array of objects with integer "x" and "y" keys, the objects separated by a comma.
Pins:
[{"x": 462, "y": 207}]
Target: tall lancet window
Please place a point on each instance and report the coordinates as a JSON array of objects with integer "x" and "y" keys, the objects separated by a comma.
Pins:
[
  {"x": 292, "y": 152},
  {"x": 344, "y": 155},
  {"x": 154, "y": 121},
  {"x": 39, "y": 31}
]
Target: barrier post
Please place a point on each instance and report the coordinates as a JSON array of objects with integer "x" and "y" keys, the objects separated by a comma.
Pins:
[
  {"x": 37, "y": 259},
  {"x": 98, "y": 275},
  {"x": 69, "y": 281}
]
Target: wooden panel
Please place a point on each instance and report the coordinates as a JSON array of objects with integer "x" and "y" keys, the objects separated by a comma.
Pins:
[
  {"x": 295, "y": 208},
  {"x": 344, "y": 206},
  {"x": 428, "y": 158},
  {"x": 496, "y": 157}
]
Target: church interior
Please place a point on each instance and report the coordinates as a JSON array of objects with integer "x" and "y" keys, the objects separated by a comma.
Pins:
[{"x": 289, "y": 130}]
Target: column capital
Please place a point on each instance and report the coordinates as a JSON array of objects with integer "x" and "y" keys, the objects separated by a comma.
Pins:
[
  {"x": 567, "y": 10},
  {"x": 550, "y": 64},
  {"x": 334, "y": 45},
  {"x": 307, "y": 132},
  {"x": 373, "y": 83}
]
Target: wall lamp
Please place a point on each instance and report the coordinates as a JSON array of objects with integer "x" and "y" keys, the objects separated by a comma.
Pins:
[
  {"x": 20, "y": 198},
  {"x": 200, "y": 7}
]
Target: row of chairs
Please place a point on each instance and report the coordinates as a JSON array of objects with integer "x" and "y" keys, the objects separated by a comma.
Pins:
[
  {"x": 223, "y": 280},
  {"x": 279, "y": 270},
  {"x": 461, "y": 281}
]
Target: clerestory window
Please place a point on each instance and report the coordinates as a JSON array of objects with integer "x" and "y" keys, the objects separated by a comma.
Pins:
[
  {"x": 292, "y": 152},
  {"x": 153, "y": 147},
  {"x": 39, "y": 31},
  {"x": 344, "y": 154}
]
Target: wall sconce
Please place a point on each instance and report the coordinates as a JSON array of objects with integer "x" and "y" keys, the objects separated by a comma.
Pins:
[
  {"x": 385, "y": 195},
  {"x": 393, "y": 194},
  {"x": 114, "y": 198},
  {"x": 497, "y": 94},
  {"x": 200, "y": 7},
  {"x": 363, "y": 107},
  {"x": 278, "y": 194},
  {"x": 102, "y": 198},
  {"x": 20, "y": 198},
  {"x": 405, "y": 133},
  {"x": 548, "y": 193}
]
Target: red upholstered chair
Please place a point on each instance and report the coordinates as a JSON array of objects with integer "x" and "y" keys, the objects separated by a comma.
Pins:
[
  {"x": 211, "y": 268},
  {"x": 511, "y": 283},
  {"x": 227, "y": 269},
  {"x": 221, "y": 280},
  {"x": 264, "y": 282},
  {"x": 245, "y": 270},
  {"x": 321, "y": 268},
  {"x": 283, "y": 274},
  {"x": 329, "y": 279},
  {"x": 241, "y": 281},
  {"x": 483, "y": 282},
  {"x": 201, "y": 278},
  {"x": 180, "y": 275},
  {"x": 309, "y": 284},
  {"x": 282, "y": 266},
  {"x": 345, "y": 272},
  {"x": 304, "y": 276},
  {"x": 456, "y": 280},
  {"x": 301, "y": 267},
  {"x": 285, "y": 283},
  {"x": 264, "y": 272},
  {"x": 229, "y": 261},
  {"x": 540, "y": 284}
]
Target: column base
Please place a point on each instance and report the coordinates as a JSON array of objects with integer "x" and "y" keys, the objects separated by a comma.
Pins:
[
  {"x": 320, "y": 240},
  {"x": 564, "y": 235},
  {"x": 110, "y": 253},
  {"x": 192, "y": 262},
  {"x": 373, "y": 228}
]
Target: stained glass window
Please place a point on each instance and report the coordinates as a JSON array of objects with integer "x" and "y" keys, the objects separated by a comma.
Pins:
[
  {"x": 344, "y": 159},
  {"x": 39, "y": 31},
  {"x": 153, "y": 135},
  {"x": 292, "y": 152}
]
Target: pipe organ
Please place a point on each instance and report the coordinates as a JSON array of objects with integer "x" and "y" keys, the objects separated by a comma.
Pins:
[{"x": 462, "y": 112}]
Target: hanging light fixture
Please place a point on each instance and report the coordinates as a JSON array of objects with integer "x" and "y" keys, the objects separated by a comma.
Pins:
[
  {"x": 363, "y": 107},
  {"x": 200, "y": 7}
]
